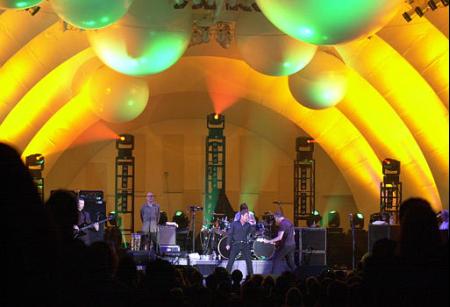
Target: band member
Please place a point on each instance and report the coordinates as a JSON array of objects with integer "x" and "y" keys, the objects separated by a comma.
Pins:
[
  {"x": 84, "y": 219},
  {"x": 238, "y": 241},
  {"x": 150, "y": 214},
  {"x": 285, "y": 241},
  {"x": 251, "y": 215}
]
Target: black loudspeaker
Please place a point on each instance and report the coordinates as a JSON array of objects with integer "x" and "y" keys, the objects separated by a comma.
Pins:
[
  {"x": 166, "y": 235},
  {"x": 377, "y": 232},
  {"x": 312, "y": 246},
  {"x": 96, "y": 207}
]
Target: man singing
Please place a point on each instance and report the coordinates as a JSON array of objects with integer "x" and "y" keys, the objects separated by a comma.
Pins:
[
  {"x": 286, "y": 245},
  {"x": 238, "y": 241}
]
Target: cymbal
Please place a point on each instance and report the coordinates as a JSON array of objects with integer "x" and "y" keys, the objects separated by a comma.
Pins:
[{"x": 218, "y": 214}]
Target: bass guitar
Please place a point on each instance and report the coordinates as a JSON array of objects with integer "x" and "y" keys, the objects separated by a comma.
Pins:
[{"x": 81, "y": 230}]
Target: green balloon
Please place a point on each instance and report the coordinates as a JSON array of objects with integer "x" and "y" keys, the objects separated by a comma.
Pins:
[
  {"x": 91, "y": 14},
  {"x": 149, "y": 39},
  {"x": 328, "y": 22},
  {"x": 18, "y": 4}
]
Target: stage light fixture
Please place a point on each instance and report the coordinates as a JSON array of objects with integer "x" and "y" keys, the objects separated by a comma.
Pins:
[
  {"x": 197, "y": 4},
  {"x": 420, "y": 10},
  {"x": 33, "y": 10},
  {"x": 181, "y": 219},
  {"x": 334, "y": 220},
  {"x": 314, "y": 220},
  {"x": 224, "y": 34},
  {"x": 305, "y": 148},
  {"x": 391, "y": 171},
  {"x": 180, "y": 4},
  {"x": 35, "y": 164},
  {"x": 125, "y": 145},
  {"x": 358, "y": 220}
]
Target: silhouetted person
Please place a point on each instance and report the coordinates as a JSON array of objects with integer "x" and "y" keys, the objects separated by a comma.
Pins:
[{"x": 28, "y": 241}]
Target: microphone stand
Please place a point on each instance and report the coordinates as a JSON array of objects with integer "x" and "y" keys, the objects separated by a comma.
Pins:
[{"x": 352, "y": 225}]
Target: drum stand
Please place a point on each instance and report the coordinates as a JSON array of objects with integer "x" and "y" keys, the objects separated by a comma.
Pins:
[{"x": 193, "y": 210}]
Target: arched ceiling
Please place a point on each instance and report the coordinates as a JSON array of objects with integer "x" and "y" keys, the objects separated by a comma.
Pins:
[{"x": 396, "y": 105}]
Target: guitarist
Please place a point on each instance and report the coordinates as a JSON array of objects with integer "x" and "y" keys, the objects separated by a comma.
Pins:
[
  {"x": 84, "y": 219},
  {"x": 285, "y": 242}
]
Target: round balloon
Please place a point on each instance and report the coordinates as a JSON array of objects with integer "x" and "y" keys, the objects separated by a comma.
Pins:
[
  {"x": 115, "y": 97},
  {"x": 90, "y": 14},
  {"x": 149, "y": 39},
  {"x": 268, "y": 50},
  {"x": 18, "y": 4},
  {"x": 322, "y": 83},
  {"x": 327, "y": 22}
]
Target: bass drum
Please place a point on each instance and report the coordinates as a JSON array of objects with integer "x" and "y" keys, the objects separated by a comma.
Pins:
[
  {"x": 261, "y": 250},
  {"x": 222, "y": 249}
]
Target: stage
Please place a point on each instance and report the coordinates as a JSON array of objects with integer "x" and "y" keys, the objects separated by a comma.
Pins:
[{"x": 206, "y": 267}]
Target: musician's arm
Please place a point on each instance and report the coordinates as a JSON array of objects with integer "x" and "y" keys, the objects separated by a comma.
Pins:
[{"x": 278, "y": 237}]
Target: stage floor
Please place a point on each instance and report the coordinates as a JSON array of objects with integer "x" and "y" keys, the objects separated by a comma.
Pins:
[{"x": 206, "y": 267}]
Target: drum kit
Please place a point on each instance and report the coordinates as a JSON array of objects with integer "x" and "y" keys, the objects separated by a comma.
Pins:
[{"x": 215, "y": 235}]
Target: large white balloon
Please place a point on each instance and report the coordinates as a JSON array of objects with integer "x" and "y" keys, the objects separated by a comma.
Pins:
[
  {"x": 90, "y": 14},
  {"x": 328, "y": 22},
  {"x": 115, "y": 97},
  {"x": 322, "y": 83},
  {"x": 268, "y": 50},
  {"x": 150, "y": 38}
]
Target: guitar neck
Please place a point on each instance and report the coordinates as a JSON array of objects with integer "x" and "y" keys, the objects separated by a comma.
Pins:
[{"x": 92, "y": 224}]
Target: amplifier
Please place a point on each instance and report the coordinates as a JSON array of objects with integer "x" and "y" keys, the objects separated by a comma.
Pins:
[
  {"x": 165, "y": 249},
  {"x": 166, "y": 235}
]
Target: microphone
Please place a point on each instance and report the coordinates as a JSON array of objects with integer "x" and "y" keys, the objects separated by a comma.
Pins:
[{"x": 196, "y": 208}]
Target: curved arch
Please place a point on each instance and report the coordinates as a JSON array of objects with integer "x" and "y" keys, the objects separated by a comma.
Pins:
[
  {"x": 362, "y": 105},
  {"x": 17, "y": 28},
  {"x": 41, "y": 101},
  {"x": 35, "y": 60},
  {"x": 413, "y": 40},
  {"x": 407, "y": 93}
]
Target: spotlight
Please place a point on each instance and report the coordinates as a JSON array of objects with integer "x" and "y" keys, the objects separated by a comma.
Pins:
[
  {"x": 334, "y": 220},
  {"x": 180, "y": 4},
  {"x": 181, "y": 219},
  {"x": 35, "y": 164},
  {"x": 125, "y": 145},
  {"x": 216, "y": 121},
  {"x": 358, "y": 220},
  {"x": 305, "y": 148},
  {"x": 33, "y": 10},
  {"x": 391, "y": 171},
  {"x": 232, "y": 5},
  {"x": 210, "y": 4},
  {"x": 224, "y": 34},
  {"x": 433, "y": 6},
  {"x": 314, "y": 219},
  {"x": 197, "y": 4}
]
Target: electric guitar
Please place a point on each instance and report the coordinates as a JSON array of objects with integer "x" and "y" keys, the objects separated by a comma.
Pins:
[{"x": 80, "y": 231}]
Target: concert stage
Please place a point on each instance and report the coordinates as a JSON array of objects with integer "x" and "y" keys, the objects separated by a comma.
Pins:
[{"x": 206, "y": 267}]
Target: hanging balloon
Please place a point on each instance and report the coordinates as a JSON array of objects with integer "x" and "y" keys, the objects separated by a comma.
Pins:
[
  {"x": 115, "y": 97},
  {"x": 322, "y": 83},
  {"x": 268, "y": 50},
  {"x": 90, "y": 14},
  {"x": 327, "y": 22},
  {"x": 149, "y": 39},
  {"x": 18, "y": 4}
]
